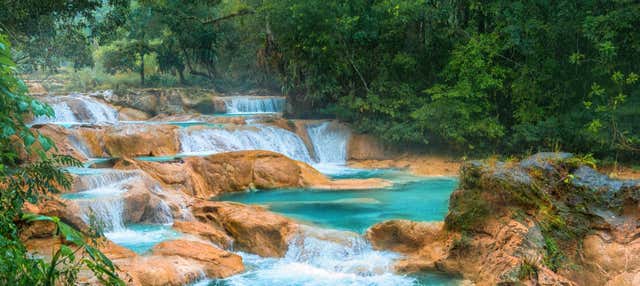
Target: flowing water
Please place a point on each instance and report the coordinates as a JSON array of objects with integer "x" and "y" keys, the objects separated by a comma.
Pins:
[
  {"x": 329, "y": 250},
  {"x": 257, "y": 137},
  {"x": 78, "y": 109},
  {"x": 101, "y": 200},
  {"x": 253, "y": 104},
  {"x": 326, "y": 257}
]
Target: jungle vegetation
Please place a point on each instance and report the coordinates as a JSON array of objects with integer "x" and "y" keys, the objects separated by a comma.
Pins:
[{"x": 468, "y": 76}]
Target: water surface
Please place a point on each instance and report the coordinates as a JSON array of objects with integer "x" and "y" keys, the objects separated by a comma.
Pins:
[{"x": 411, "y": 197}]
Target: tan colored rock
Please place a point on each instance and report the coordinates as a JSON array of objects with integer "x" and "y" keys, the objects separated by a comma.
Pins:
[
  {"x": 67, "y": 211},
  {"x": 253, "y": 228},
  {"x": 204, "y": 231},
  {"x": 60, "y": 136},
  {"x": 160, "y": 270},
  {"x": 93, "y": 139},
  {"x": 242, "y": 170},
  {"x": 35, "y": 87},
  {"x": 217, "y": 263},
  {"x": 130, "y": 114},
  {"x": 366, "y": 147},
  {"x": 141, "y": 140},
  {"x": 404, "y": 236}
]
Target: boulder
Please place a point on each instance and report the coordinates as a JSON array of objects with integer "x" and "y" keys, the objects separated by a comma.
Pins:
[
  {"x": 253, "y": 228},
  {"x": 92, "y": 138},
  {"x": 404, "y": 236},
  {"x": 130, "y": 114},
  {"x": 62, "y": 139},
  {"x": 210, "y": 176},
  {"x": 141, "y": 140},
  {"x": 204, "y": 231},
  {"x": 217, "y": 263}
]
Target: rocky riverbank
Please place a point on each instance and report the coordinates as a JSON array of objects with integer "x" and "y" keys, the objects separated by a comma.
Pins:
[{"x": 550, "y": 219}]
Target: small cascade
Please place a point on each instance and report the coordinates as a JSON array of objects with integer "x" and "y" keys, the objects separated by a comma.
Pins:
[
  {"x": 258, "y": 137},
  {"x": 107, "y": 213},
  {"x": 323, "y": 257},
  {"x": 162, "y": 214},
  {"x": 254, "y": 104},
  {"x": 78, "y": 108},
  {"x": 329, "y": 140},
  {"x": 79, "y": 145},
  {"x": 102, "y": 181},
  {"x": 100, "y": 197}
]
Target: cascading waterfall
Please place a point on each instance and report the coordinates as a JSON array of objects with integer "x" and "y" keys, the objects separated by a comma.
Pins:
[
  {"x": 329, "y": 140},
  {"x": 258, "y": 137},
  {"x": 322, "y": 257},
  {"x": 78, "y": 108},
  {"x": 103, "y": 180},
  {"x": 100, "y": 197},
  {"x": 254, "y": 104},
  {"x": 107, "y": 213}
]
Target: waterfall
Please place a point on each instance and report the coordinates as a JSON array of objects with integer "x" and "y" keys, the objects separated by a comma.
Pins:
[
  {"x": 254, "y": 104},
  {"x": 79, "y": 145},
  {"x": 329, "y": 142},
  {"x": 105, "y": 180},
  {"x": 323, "y": 257},
  {"x": 107, "y": 213},
  {"x": 78, "y": 108},
  {"x": 258, "y": 137}
]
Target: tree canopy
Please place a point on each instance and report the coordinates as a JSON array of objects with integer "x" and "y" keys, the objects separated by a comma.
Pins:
[{"x": 473, "y": 77}]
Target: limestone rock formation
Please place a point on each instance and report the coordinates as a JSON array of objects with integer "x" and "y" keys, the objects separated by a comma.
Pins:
[
  {"x": 549, "y": 220},
  {"x": 217, "y": 263},
  {"x": 204, "y": 231},
  {"x": 253, "y": 228},
  {"x": 180, "y": 262},
  {"x": 141, "y": 140}
]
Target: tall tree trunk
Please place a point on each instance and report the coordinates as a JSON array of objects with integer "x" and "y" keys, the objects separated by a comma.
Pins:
[
  {"x": 181, "y": 75},
  {"x": 142, "y": 69}
]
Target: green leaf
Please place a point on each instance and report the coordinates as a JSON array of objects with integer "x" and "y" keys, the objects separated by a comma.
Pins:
[
  {"x": 28, "y": 139},
  {"x": 70, "y": 234},
  {"x": 31, "y": 217},
  {"x": 45, "y": 142}
]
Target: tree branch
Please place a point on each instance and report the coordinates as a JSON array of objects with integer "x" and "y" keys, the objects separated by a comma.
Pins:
[{"x": 242, "y": 12}]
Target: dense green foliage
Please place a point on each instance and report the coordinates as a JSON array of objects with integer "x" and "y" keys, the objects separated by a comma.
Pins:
[
  {"x": 469, "y": 76},
  {"x": 497, "y": 76},
  {"x": 27, "y": 174}
]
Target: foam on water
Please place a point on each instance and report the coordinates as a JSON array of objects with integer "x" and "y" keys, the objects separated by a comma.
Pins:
[
  {"x": 329, "y": 141},
  {"x": 253, "y": 104},
  {"x": 258, "y": 137},
  {"x": 322, "y": 257}
]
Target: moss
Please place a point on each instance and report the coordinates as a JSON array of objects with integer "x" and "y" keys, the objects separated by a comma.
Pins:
[
  {"x": 468, "y": 211},
  {"x": 554, "y": 258},
  {"x": 461, "y": 244},
  {"x": 527, "y": 270}
]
